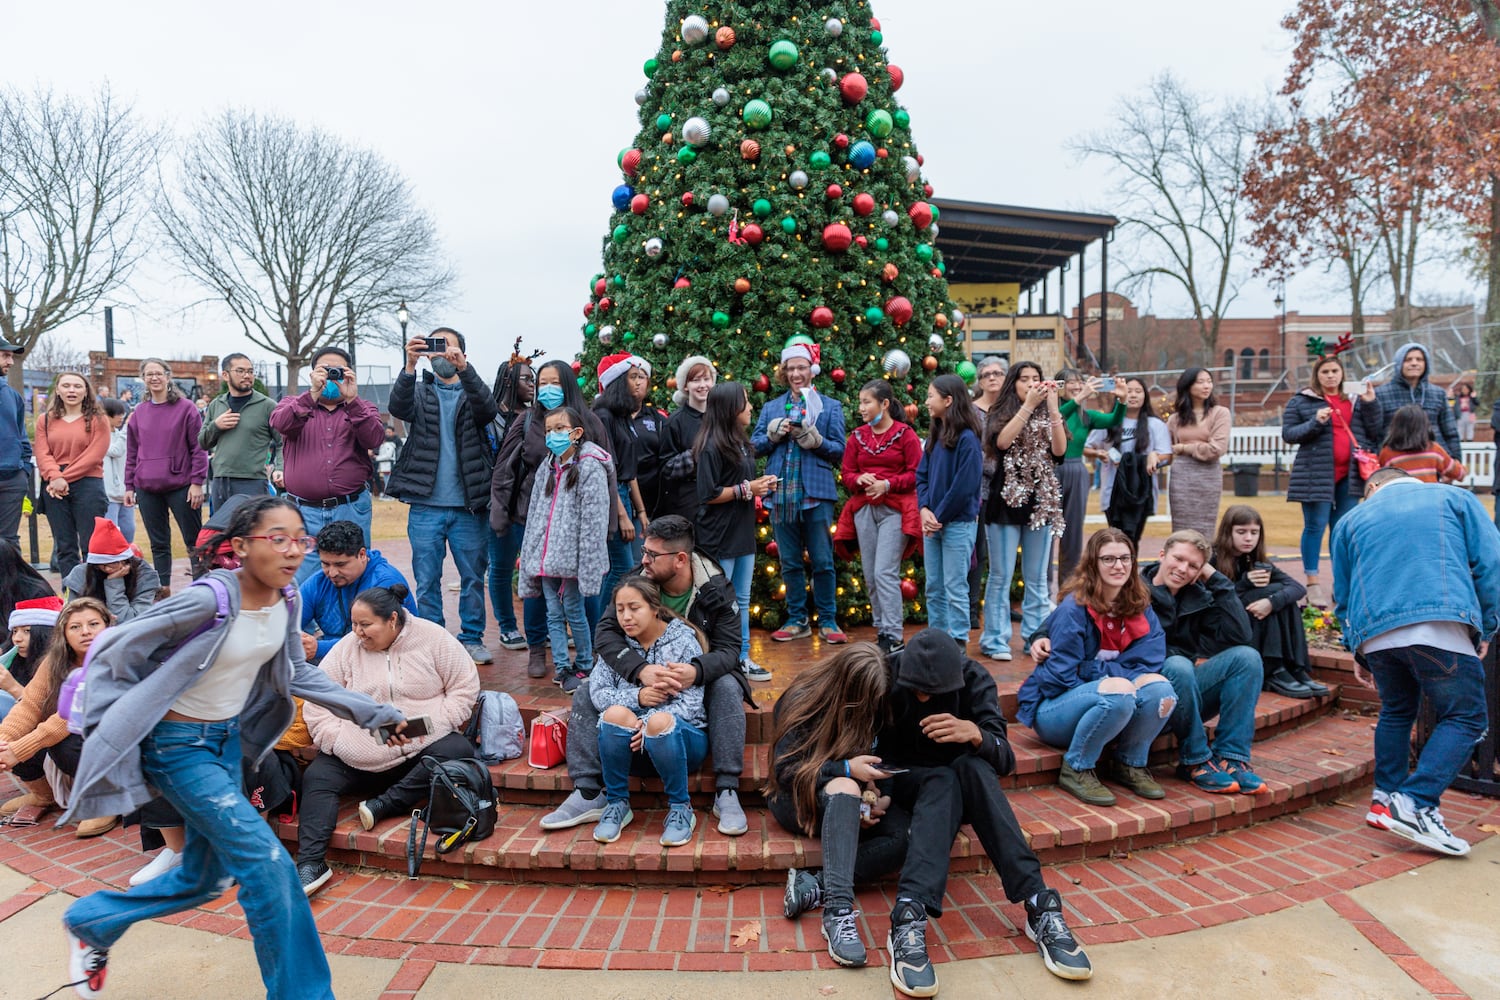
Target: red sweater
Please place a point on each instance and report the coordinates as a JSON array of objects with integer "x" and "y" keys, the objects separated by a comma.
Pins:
[
  {"x": 79, "y": 444},
  {"x": 1343, "y": 443},
  {"x": 894, "y": 456}
]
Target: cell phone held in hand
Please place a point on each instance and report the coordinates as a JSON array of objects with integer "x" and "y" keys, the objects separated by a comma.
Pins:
[
  {"x": 890, "y": 769},
  {"x": 418, "y": 726},
  {"x": 1107, "y": 384},
  {"x": 435, "y": 345},
  {"x": 1264, "y": 567},
  {"x": 1354, "y": 388}
]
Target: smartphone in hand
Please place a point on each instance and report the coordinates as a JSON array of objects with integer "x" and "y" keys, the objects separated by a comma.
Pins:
[{"x": 421, "y": 725}]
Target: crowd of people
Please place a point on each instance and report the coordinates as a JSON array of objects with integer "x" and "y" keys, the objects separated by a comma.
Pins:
[{"x": 632, "y": 533}]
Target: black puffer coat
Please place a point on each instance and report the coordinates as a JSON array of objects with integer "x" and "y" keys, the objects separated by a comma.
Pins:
[
  {"x": 1312, "y": 468},
  {"x": 417, "y": 404}
]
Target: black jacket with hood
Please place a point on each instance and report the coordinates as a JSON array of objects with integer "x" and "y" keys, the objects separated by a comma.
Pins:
[
  {"x": 417, "y": 404},
  {"x": 1434, "y": 402},
  {"x": 934, "y": 665},
  {"x": 1200, "y": 620},
  {"x": 1312, "y": 467}
]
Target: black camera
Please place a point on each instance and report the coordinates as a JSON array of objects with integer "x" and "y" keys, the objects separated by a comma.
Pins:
[{"x": 335, "y": 373}]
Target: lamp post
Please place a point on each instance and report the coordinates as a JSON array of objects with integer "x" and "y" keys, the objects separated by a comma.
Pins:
[
  {"x": 403, "y": 317},
  {"x": 1280, "y": 303}
]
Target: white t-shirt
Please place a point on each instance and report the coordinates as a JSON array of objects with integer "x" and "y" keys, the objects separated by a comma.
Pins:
[
  {"x": 1451, "y": 636},
  {"x": 220, "y": 693}
]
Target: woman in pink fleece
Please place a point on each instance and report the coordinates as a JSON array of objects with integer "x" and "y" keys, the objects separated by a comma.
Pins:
[{"x": 415, "y": 665}]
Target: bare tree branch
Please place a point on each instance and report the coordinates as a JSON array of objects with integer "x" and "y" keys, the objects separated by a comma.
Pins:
[{"x": 285, "y": 225}]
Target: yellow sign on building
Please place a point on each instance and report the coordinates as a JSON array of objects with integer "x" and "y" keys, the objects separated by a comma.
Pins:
[{"x": 1003, "y": 297}]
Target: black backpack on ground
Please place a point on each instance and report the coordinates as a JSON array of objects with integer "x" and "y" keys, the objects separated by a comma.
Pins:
[{"x": 460, "y": 808}]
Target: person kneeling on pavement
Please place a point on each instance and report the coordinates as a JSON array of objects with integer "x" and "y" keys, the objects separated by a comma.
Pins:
[
  {"x": 419, "y": 667},
  {"x": 693, "y": 586},
  {"x": 946, "y": 730}
]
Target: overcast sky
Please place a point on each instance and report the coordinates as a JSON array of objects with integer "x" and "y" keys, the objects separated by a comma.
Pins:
[{"x": 506, "y": 118}]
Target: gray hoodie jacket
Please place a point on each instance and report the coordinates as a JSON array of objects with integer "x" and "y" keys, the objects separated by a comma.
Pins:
[
  {"x": 1397, "y": 393},
  {"x": 137, "y": 670}
]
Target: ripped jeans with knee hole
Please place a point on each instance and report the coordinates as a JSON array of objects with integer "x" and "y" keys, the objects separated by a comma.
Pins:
[
  {"x": 672, "y": 755},
  {"x": 1082, "y": 721}
]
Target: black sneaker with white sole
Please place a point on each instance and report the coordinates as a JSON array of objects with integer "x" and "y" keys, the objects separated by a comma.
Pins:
[
  {"x": 804, "y": 891},
  {"x": 911, "y": 969},
  {"x": 1423, "y": 826},
  {"x": 841, "y": 931},
  {"x": 314, "y": 875},
  {"x": 1061, "y": 952}
]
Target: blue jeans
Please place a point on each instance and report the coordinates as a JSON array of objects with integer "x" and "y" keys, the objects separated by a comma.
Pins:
[
  {"x": 810, "y": 532},
  {"x": 6, "y": 704},
  {"x": 314, "y": 519},
  {"x": 1454, "y": 686},
  {"x": 565, "y": 611},
  {"x": 503, "y": 550},
  {"x": 739, "y": 570},
  {"x": 1320, "y": 517},
  {"x": 466, "y": 535},
  {"x": 196, "y": 766},
  {"x": 623, "y": 557},
  {"x": 671, "y": 755},
  {"x": 1036, "y": 551},
  {"x": 1082, "y": 721},
  {"x": 945, "y": 558},
  {"x": 124, "y": 518},
  {"x": 1226, "y": 684}
]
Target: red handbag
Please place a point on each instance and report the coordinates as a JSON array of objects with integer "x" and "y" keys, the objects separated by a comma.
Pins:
[
  {"x": 548, "y": 746},
  {"x": 1366, "y": 462}
]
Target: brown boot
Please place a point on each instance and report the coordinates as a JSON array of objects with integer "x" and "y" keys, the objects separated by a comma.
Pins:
[
  {"x": 38, "y": 795},
  {"x": 536, "y": 663},
  {"x": 96, "y": 827}
]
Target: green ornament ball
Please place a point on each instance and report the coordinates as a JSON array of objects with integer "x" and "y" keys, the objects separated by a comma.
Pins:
[
  {"x": 874, "y": 315},
  {"x": 591, "y": 329},
  {"x": 924, "y": 251},
  {"x": 650, "y": 68},
  {"x": 619, "y": 281},
  {"x": 583, "y": 380},
  {"x": 875, "y": 39},
  {"x": 942, "y": 268},
  {"x": 627, "y": 336},
  {"x": 881, "y": 243},
  {"x": 663, "y": 122},
  {"x": 757, "y": 113},
  {"x": 967, "y": 371},
  {"x": 621, "y": 233},
  {"x": 789, "y": 225},
  {"x": 686, "y": 155},
  {"x": 878, "y": 123},
  {"x": 721, "y": 320},
  {"x": 820, "y": 159},
  {"x": 761, "y": 207},
  {"x": 935, "y": 213},
  {"x": 783, "y": 55},
  {"x": 903, "y": 119}
]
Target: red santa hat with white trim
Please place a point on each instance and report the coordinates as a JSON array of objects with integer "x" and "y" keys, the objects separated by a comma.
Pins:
[
  {"x": 107, "y": 544},
  {"x": 612, "y": 366},
  {"x": 37, "y": 611}
]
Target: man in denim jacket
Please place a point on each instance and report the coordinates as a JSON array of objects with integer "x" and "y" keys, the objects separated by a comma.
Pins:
[{"x": 1416, "y": 587}]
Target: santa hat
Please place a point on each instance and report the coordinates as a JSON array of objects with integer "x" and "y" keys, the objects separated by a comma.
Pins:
[
  {"x": 612, "y": 366},
  {"x": 38, "y": 611},
  {"x": 107, "y": 544},
  {"x": 679, "y": 397},
  {"x": 800, "y": 350}
]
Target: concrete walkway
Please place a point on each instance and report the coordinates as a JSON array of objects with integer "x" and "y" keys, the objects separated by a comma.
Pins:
[{"x": 1425, "y": 933}]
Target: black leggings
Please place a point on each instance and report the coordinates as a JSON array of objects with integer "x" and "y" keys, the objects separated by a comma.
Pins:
[
  {"x": 154, "y": 509},
  {"x": 64, "y": 756}
]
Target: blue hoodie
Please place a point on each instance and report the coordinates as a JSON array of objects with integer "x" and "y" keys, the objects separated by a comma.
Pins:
[
  {"x": 1075, "y": 657},
  {"x": 327, "y": 606}
]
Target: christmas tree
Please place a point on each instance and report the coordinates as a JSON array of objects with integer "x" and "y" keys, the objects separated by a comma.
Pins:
[{"x": 774, "y": 191}]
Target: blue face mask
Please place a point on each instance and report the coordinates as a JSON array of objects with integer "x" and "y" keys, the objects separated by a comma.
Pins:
[
  {"x": 558, "y": 442},
  {"x": 550, "y": 396},
  {"x": 330, "y": 390},
  {"x": 877, "y": 418}
]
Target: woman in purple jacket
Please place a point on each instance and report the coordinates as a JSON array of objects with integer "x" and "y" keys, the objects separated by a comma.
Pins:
[{"x": 165, "y": 467}]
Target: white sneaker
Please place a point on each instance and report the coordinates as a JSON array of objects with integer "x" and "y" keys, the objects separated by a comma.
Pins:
[
  {"x": 1422, "y": 826},
  {"x": 159, "y": 865},
  {"x": 86, "y": 965}
]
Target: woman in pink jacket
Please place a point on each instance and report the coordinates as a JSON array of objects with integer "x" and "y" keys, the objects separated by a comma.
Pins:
[{"x": 411, "y": 663}]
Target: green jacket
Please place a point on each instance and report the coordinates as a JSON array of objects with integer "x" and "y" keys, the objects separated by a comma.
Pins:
[
  {"x": 1079, "y": 422},
  {"x": 245, "y": 451}
]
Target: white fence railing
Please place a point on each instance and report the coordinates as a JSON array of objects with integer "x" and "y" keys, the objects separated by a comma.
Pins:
[{"x": 1264, "y": 446}]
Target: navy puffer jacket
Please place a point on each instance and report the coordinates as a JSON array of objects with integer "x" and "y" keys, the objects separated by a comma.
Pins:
[{"x": 1312, "y": 468}]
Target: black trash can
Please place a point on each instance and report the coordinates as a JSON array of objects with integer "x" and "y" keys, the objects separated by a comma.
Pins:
[
  {"x": 1481, "y": 774},
  {"x": 1246, "y": 480}
]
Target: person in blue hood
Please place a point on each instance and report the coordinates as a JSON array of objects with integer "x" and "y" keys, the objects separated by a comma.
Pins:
[
  {"x": 1410, "y": 386},
  {"x": 348, "y": 568}
]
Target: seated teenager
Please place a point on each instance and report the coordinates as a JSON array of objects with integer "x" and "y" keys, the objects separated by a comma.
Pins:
[
  {"x": 1270, "y": 598},
  {"x": 34, "y": 732},
  {"x": 348, "y": 569},
  {"x": 415, "y": 665},
  {"x": 1102, "y": 681},
  {"x": 30, "y": 626},
  {"x": 693, "y": 586},
  {"x": 945, "y": 727},
  {"x": 114, "y": 573},
  {"x": 823, "y": 784},
  {"x": 665, "y": 727}
]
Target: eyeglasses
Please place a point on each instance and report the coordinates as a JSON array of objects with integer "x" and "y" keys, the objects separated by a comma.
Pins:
[
  {"x": 286, "y": 543},
  {"x": 648, "y": 557},
  {"x": 242, "y": 371},
  {"x": 154, "y": 375},
  {"x": 526, "y": 378},
  {"x": 992, "y": 374},
  {"x": 1115, "y": 560}
]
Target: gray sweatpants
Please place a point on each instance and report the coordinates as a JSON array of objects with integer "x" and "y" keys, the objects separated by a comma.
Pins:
[
  {"x": 725, "y": 703},
  {"x": 1074, "y": 478},
  {"x": 880, "y": 545}
]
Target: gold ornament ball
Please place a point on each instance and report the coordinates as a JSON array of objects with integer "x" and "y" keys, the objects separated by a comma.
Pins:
[
  {"x": 750, "y": 150},
  {"x": 741, "y": 285},
  {"x": 929, "y": 363},
  {"x": 724, "y": 37}
]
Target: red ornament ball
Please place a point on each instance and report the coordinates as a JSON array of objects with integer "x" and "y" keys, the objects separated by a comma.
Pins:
[
  {"x": 640, "y": 203},
  {"x": 773, "y": 550},
  {"x": 834, "y": 191},
  {"x": 897, "y": 77},
  {"x": 576, "y": 365},
  {"x": 920, "y": 212},
  {"x": 927, "y": 190},
  {"x": 936, "y": 273},
  {"x": 604, "y": 304},
  {"x": 632, "y": 162},
  {"x": 921, "y": 160},
  {"x": 864, "y": 203},
  {"x": 861, "y": 241},
  {"x": 671, "y": 381},
  {"x": 841, "y": 141},
  {"x": 875, "y": 23},
  {"x": 682, "y": 283},
  {"x": 750, "y": 150},
  {"x": 741, "y": 285},
  {"x": 724, "y": 37},
  {"x": 687, "y": 199},
  {"x": 882, "y": 153},
  {"x": 908, "y": 585},
  {"x": 838, "y": 376},
  {"x": 600, "y": 287},
  {"x": 899, "y": 310},
  {"x": 911, "y": 413},
  {"x": 836, "y": 237},
  {"x": 854, "y": 87},
  {"x": 889, "y": 273},
  {"x": 822, "y": 317},
  {"x": 762, "y": 384},
  {"x": 588, "y": 309},
  {"x": 753, "y": 234},
  {"x": 940, "y": 321}
]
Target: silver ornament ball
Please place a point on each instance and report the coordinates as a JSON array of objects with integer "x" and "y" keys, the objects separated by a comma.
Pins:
[
  {"x": 913, "y": 169},
  {"x": 717, "y": 204},
  {"x": 958, "y": 318},
  {"x": 932, "y": 230},
  {"x": 660, "y": 340},
  {"x": 834, "y": 27},
  {"x": 896, "y": 362},
  {"x": 935, "y": 344},
  {"x": 797, "y": 179},
  {"x": 695, "y": 131},
  {"x": 828, "y": 74},
  {"x": 653, "y": 247},
  {"x": 890, "y": 218},
  {"x": 721, "y": 97},
  {"x": 694, "y": 29},
  {"x": 642, "y": 96},
  {"x": 606, "y": 334}
]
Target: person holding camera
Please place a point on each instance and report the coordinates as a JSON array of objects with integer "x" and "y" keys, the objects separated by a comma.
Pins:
[
  {"x": 1073, "y": 391},
  {"x": 328, "y": 433},
  {"x": 443, "y": 475}
]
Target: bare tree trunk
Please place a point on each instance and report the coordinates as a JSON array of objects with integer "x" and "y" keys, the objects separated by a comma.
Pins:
[
  {"x": 1490, "y": 353},
  {"x": 1489, "y": 15}
]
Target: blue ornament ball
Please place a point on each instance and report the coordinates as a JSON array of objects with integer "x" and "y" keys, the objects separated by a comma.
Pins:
[
  {"x": 862, "y": 155},
  {"x": 621, "y": 197}
]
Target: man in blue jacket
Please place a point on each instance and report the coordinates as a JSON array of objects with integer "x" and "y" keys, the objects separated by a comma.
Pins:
[
  {"x": 15, "y": 449},
  {"x": 1416, "y": 587},
  {"x": 348, "y": 569}
]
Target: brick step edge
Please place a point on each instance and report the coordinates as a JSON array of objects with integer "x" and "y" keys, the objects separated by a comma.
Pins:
[{"x": 1307, "y": 767}]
